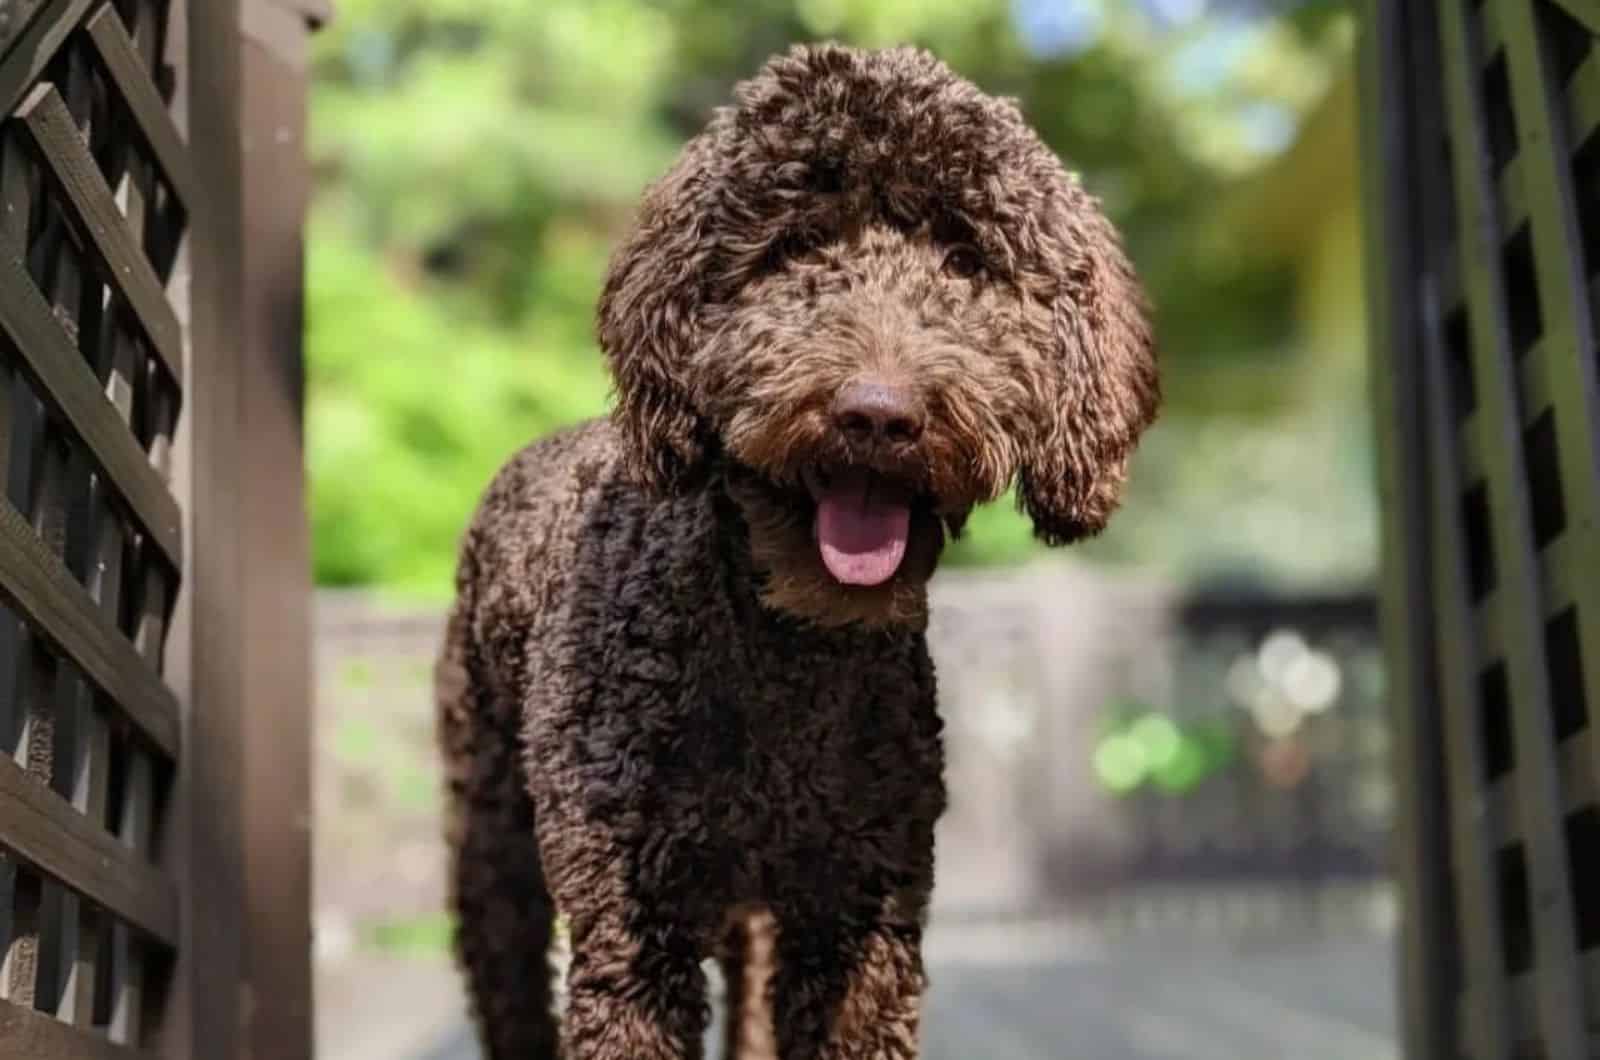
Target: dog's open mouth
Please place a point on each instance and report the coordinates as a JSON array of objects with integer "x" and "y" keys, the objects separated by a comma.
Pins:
[{"x": 862, "y": 523}]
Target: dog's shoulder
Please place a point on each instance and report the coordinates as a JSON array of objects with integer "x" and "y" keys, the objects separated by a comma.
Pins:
[
  {"x": 547, "y": 481},
  {"x": 563, "y": 515},
  {"x": 529, "y": 516}
]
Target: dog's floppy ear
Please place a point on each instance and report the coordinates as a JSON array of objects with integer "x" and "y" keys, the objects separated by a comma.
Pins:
[
  {"x": 1103, "y": 389},
  {"x": 650, "y": 324}
]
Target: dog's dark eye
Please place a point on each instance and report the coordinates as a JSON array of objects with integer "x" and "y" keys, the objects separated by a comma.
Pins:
[
  {"x": 827, "y": 177},
  {"x": 796, "y": 247},
  {"x": 963, "y": 261}
]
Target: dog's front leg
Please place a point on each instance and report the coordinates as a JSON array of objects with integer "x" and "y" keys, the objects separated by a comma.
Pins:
[
  {"x": 845, "y": 994},
  {"x": 633, "y": 993}
]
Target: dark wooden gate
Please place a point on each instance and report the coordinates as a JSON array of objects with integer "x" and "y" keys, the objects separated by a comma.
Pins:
[
  {"x": 153, "y": 783},
  {"x": 1483, "y": 190}
]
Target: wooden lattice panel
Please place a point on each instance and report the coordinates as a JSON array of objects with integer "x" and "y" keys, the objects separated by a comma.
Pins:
[
  {"x": 1484, "y": 180},
  {"x": 93, "y": 191}
]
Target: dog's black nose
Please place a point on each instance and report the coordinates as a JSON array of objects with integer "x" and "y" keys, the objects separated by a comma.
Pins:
[{"x": 873, "y": 412}]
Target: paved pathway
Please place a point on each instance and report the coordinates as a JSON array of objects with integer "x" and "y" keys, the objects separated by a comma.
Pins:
[{"x": 1045, "y": 993}]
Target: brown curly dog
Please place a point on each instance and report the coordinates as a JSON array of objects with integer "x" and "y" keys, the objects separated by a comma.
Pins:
[{"x": 685, "y": 694}]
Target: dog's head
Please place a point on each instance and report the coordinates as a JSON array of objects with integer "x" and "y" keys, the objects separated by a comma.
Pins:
[{"x": 870, "y": 298}]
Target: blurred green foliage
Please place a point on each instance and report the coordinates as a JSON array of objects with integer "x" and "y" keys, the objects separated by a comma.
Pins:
[
  {"x": 475, "y": 160},
  {"x": 410, "y": 937},
  {"x": 1149, "y": 749}
]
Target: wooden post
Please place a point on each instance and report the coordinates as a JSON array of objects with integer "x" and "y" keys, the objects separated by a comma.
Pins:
[
  {"x": 248, "y": 611},
  {"x": 275, "y": 546},
  {"x": 205, "y": 1010}
]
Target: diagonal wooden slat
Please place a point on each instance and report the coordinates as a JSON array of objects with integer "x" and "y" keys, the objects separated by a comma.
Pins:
[
  {"x": 26, "y": 1033},
  {"x": 15, "y": 18},
  {"x": 1578, "y": 785},
  {"x": 1513, "y": 196},
  {"x": 1583, "y": 98},
  {"x": 43, "y": 830},
  {"x": 122, "y": 63},
  {"x": 43, "y": 591},
  {"x": 24, "y": 62},
  {"x": 1556, "y": 592},
  {"x": 1487, "y": 17},
  {"x": 1539, "y": 802},
  {"x": 1585, "y": 11},
  {"x": 1526, "y": 990},
  {"x": 65, "y": 383},
  {"x": 94, "y": 210},
  {"x": 1532, "y": 382}
]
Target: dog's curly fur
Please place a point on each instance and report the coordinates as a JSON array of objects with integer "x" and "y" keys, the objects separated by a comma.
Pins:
[{"x": 660, "y": 713}]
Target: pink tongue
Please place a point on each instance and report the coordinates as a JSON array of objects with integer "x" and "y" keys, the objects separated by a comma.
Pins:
[{"x": 862, "y": 536}]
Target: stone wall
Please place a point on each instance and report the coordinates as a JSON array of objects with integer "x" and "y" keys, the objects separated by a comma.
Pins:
[{"x": 1030, "y": 663}]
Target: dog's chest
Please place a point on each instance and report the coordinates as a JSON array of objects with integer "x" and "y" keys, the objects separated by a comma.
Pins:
[{"x": 794, "y": 759}]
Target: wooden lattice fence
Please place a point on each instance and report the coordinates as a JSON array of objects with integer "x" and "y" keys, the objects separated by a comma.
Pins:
[
  {"x": 1483, "y": 151},
  {"x": 135, "y": 385}
]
